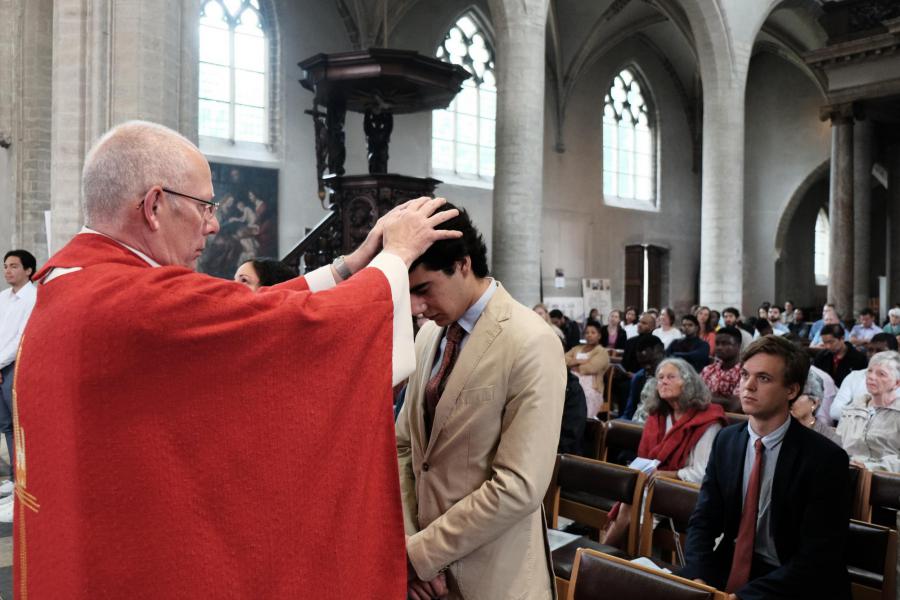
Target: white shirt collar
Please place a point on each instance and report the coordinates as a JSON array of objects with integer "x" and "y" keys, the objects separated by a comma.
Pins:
[
  {"x": 140, "y": 254},
  {"x": 26, "y": 291},
  {"x": 773, "y": 439}
]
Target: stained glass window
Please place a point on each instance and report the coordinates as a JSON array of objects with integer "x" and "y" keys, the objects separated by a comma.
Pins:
[
  {"x": 234, "y": 85},
  {"x": 462, "y": 135},
  {"x": 629, "y": 143}
]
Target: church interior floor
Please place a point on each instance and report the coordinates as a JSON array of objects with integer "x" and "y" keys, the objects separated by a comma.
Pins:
[{"x": 6, "y": 538}]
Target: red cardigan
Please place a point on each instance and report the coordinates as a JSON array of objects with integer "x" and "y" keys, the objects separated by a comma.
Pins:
[{"x": 673, "y": 447}]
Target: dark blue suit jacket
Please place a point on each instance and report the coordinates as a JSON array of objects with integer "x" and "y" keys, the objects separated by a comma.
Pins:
[{"x": 810, "y": 511}]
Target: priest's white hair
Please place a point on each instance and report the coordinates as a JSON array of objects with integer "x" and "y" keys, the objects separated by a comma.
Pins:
[{"x": 126, "y": 162}]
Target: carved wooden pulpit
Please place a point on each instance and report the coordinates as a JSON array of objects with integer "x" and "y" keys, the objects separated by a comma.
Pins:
[{"x": 378, "y": 83}]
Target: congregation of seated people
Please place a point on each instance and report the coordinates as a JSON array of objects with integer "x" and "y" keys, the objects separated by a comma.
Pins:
[{"x": 699, "y": 390}]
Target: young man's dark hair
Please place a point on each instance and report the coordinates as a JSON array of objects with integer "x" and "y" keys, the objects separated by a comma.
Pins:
[
  {"x": 732, "y": 332},
  {"x": 885, "y": 338},
  {"x": 795, "y": 358},
  {"x": 762, "y": 326},
  {"x": 645, "y": 341},
  {"x": 556, "y": 314},
  {"x": 732, "y": 310},
  {"x": 27, "y": 258},
  {"x": 444, "y": 254},
  {"x": 833, "y": 330},
  {"x": 692, "y": 319},
  {"x": 867, "y": 311}
]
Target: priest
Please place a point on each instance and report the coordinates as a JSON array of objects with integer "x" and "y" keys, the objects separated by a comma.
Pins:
[{"x": 179, "y": 436}]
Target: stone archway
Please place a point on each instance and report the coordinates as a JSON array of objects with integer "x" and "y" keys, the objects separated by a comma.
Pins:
[{"x": 794, "y": 238}]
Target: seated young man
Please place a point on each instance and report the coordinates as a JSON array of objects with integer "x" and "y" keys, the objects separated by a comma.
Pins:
[
  {"x": 723, "y": 377},
  {"x": 777, "y": 492}
]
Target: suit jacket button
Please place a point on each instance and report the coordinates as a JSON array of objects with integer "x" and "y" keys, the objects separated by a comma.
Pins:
[{"x": 424, "y": 466}]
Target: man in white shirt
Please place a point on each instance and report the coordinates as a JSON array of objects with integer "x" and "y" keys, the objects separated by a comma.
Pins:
[{"x": 16, "y": 303}]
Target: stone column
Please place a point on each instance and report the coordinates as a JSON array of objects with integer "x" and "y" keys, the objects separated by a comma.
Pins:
[
  {"x": 862, "y": 213},
  {"x": 722, "y": 195},
  {"x": 893, "y": 269},
  {"x": 520, "y": 29},
  {"x": 122, "y": 59},
  {"x": 25, "y": 114},
  {"x": 840, "y": 210}
]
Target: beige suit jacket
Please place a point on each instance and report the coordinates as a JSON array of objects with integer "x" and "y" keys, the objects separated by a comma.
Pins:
[{"x": 472, "y": 492}]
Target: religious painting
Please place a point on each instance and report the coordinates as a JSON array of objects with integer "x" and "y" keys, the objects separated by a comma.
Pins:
[{"x": 248, "y": 218}]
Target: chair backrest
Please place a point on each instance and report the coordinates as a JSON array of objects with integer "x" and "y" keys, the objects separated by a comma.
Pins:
[
  {"x": 883, "y": 498},
  {"x": 859, "y": 488},
  {"x": 585, "y": 490},
  {"x": 622, "y": 436},
  {"x": 610, "y": 375},
  {"x": 674, "y": 500},
  {"x": 595, "y": 434},
  {"x": 599, "y": 576},
  {"x": 872, "y": 557}
]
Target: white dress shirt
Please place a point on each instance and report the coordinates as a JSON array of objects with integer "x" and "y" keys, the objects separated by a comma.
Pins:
[
  {"x": 669, "y": 336},
  {"x": 15, "y": 308},
  {"x": 764, "y": 543}
]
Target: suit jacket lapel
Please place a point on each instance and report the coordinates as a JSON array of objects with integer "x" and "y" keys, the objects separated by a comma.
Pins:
[
  {"x": 736, "y": 455},
  {"x": 486, "y": 330},
  {"x": 426, "y": 364},
  {"x": 784, "y": 469}
]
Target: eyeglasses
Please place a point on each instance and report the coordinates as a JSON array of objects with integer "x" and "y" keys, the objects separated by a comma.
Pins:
[{"x": 209, "y": 207}]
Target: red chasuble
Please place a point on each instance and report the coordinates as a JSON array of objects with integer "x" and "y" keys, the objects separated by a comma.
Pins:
[{"x": 182, "y": 437}]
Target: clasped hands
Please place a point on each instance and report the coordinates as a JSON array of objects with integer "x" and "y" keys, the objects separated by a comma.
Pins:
[{"x": 416, "y": 589}]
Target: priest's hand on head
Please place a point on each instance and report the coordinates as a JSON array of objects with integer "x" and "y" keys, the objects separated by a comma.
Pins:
[{"x": 409, "y": 229}]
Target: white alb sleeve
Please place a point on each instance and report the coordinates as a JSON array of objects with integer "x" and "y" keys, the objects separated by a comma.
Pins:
[
  {"x": 403, "y": 355},
  {"x": 320, "y": 279}
]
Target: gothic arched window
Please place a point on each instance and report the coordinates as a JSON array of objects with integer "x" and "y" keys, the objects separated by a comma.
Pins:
[
  {"x": 822, "y": 247},
  {"x": 629, "y": 143},
  {"x": 234, "y": 71},
  {"x": 462, "y": 136}
]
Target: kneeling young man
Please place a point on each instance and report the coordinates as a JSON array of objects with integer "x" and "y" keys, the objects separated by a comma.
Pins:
[
  {"x": 778, "y": 491},
  {"x": 478, "y": 432}
]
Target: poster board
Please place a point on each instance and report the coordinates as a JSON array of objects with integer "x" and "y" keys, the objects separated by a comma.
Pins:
[
  {"x": 597, "y": 294},
  {"x": 571, "y": 306}
]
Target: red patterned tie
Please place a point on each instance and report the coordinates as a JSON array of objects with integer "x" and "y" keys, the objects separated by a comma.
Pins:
[
  {"x": 438, "y": 381},
  {"x": 743, "y": 547}
]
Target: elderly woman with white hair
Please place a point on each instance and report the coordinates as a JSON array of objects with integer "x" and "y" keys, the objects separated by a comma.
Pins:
[
  {"x": 870, "y": 424},
  {"x": 681, "y": 426},
  {"x": 806, "y": 407},
  {"x": 893, "y": 325}
]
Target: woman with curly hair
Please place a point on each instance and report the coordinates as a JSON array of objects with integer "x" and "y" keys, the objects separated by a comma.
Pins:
[{"x": 678, "y": 433}]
